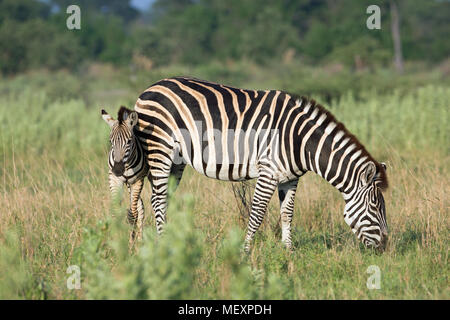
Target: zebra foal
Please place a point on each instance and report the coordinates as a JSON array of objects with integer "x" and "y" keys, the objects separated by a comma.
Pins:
[{"x": 127, "y": 165}]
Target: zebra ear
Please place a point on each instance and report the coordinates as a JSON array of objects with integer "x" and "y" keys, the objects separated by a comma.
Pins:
[
  {"x": 127, "y": 116},
  {"x": 132, "y": 119},
  {"x": 108, "y": 119},
  {"x": 384, "y": 166},
  {"x": 369, "y": 173}
]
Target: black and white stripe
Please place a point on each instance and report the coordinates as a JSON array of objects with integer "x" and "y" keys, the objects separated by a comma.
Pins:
[
  {"x": 235, "y": 134},
  {"x": 127, "y": 164}
]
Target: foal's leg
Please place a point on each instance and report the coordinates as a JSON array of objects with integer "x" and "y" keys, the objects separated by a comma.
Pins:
[{"x": 136, "y": 212}]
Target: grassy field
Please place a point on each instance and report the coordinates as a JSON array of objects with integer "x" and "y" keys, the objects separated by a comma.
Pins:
[{"x": 56, "y": 211}]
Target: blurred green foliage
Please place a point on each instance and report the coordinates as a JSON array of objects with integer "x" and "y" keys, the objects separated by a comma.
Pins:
[
  {"x": 33, "y": 34},
  {"x": 162, "y": 268}
]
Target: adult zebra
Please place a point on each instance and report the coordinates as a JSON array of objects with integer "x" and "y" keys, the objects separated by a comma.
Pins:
[
  {"x": 127, "y": 165},
  {"x": 235, "y": 134}
]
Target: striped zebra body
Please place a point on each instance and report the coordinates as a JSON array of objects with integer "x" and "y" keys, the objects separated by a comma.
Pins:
[
  {"x": 235, "y": 134},
  {"x": 127, "y": 165}
]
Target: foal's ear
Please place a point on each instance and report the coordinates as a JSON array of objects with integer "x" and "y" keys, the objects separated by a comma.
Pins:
[
  {"x": 132, "y": 119},
  {"x": 108, "y": 119},
  {"x": 127, "y": 116}
]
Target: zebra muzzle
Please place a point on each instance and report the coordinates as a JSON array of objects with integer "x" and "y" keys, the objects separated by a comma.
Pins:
[
  {"x": 118, "y": 168},
  {"x": 383, "y": 243}
]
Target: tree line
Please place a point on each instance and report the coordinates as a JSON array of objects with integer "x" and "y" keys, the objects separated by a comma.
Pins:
[{"x": 33, "y": 33}]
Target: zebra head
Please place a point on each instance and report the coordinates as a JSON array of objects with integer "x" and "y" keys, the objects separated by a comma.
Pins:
[
  {"x": 365, "y": 210},
  {"x": 122, "y": 138}
]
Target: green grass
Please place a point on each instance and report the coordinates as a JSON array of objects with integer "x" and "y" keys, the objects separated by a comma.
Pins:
[{"x": 56, "y": 209}]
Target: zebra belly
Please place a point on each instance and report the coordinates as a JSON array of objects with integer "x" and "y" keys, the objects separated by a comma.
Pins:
[
  {"x": 253, "y": 172},
  {"x": 224, "y": 164},
  {"x": 226, "y": 172}
]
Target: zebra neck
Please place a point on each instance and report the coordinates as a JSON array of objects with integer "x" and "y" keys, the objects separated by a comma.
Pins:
[
  {"x": 327, "y": 147},
  {"x": 338, "y": 158},
  {"x": 136, "y": 153}
]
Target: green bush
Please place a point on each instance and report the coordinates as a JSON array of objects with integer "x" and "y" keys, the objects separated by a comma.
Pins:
[{"x": 163, "y": 268}]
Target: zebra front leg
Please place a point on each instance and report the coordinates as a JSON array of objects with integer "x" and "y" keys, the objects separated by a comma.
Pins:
[
  {"x": 136, "y": 212},
  {"x": 115, "y": 186},
  {"x": 264, "y": 189},
  {"x": 286, "y": 193}
]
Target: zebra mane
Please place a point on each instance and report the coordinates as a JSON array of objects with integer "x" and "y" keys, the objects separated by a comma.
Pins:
[{"x": 381, "y": 177}]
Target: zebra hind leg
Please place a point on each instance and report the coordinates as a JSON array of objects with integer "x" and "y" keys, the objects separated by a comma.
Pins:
[
  {"x": 140, "y": 220},
  {"x": 160, "y": 187},
  {"x": 286, "y": 194},
  {"x": 264, "y": 189}
]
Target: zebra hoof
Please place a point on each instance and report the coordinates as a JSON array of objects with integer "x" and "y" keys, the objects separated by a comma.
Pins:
[
  {"x": 245, "y": 250},
  {"x": 288, "y": 247}
]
